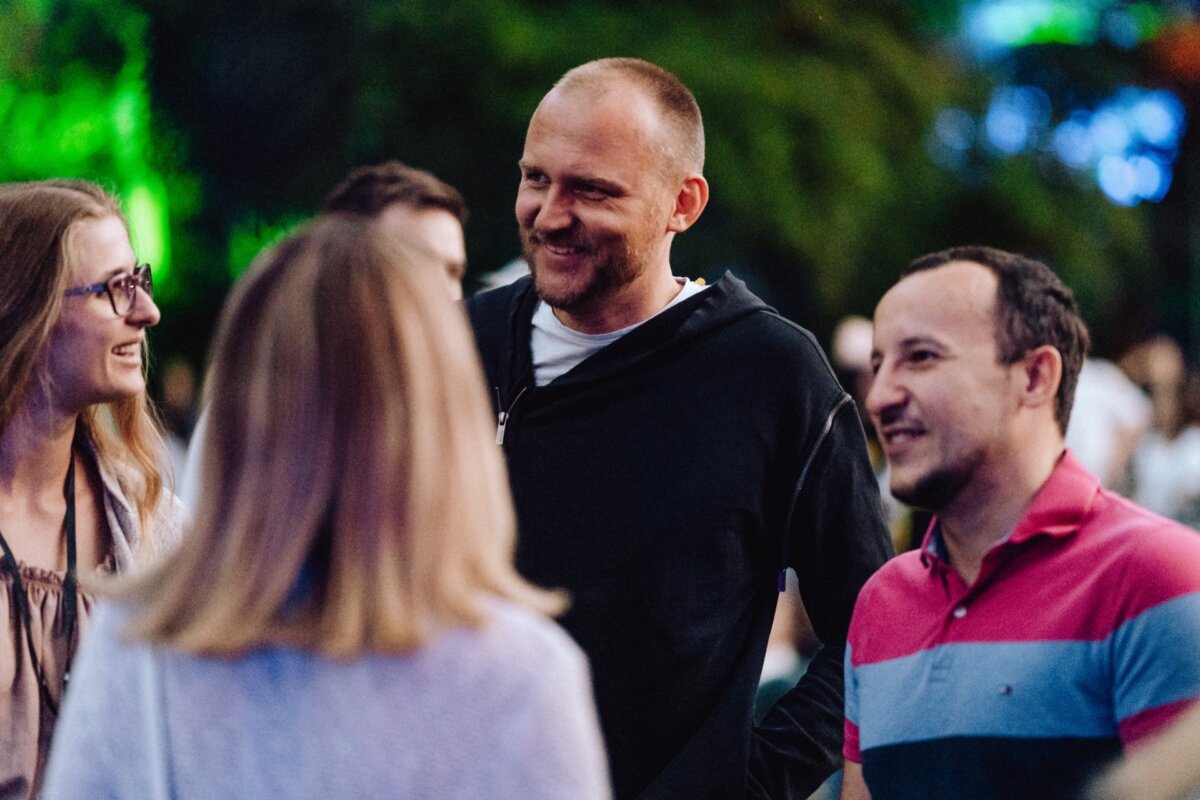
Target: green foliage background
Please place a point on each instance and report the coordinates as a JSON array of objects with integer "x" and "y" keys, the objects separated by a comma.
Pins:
[{"x": 244, "y": 113}]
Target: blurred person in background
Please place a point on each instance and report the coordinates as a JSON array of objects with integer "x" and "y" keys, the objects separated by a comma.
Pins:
[
  {"x": 343, "y": 618},
  {"x": 1109, "y": 418},
  {"x": 424, "y": 212},
  {"x": 178, "y": 412},
  {"x": 850, "y": 354},
  {"x": 80, "y": 452},
  {"x": 1166, "y": 461},
  {"x": 790, "y": 648},
  {"x": 411, "y": 204},
  {"x": 504, "y": 275},
  {"x": 1046, "y": 623}
]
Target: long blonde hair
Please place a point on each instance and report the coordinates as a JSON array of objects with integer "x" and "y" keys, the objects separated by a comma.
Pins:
[
  {"x": 353, "y": 498},
  {"x": 36, "y": 223}
]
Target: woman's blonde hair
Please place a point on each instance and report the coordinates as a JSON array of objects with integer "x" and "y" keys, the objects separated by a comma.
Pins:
[
  {"x": 36, "y": 224},
  {"x": 353, "y": 496}
]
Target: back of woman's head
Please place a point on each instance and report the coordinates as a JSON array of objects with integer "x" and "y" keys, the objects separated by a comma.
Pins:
[
  {"x": 353, "y": 499},
  {"x": 35, "y": 224}
]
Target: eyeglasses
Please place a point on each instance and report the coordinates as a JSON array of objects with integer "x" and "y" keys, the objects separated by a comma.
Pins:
[{"x": 121, "y": 289}]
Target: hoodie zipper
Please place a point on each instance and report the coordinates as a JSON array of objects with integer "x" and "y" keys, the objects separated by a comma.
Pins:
[
  {"x": 813, "y": 455},
  {"x": 503, "y": 417}
]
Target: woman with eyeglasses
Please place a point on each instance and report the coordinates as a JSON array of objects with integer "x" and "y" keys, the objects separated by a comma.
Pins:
[
  {"x": 80, "y": 488},
  {"x": 342, "y": 618}
]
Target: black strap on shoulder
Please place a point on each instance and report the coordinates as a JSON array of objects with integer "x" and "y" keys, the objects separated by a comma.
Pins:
[
  {"x": 70, "y": 592},
  {"x": 70, "y": 582}
]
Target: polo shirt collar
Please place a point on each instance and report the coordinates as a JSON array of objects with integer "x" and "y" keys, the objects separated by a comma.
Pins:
[
  {"x": 1058, "y": 509},
  {"x": 1062, "y": 504}
]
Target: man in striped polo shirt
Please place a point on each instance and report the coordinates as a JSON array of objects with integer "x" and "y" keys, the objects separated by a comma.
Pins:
[{"x": 1045, "y": 624}]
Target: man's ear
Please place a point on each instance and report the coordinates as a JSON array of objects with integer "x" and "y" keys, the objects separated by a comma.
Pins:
[
  {"x": 1042, "y": 370},
  {"x": 689, "y": 202}
]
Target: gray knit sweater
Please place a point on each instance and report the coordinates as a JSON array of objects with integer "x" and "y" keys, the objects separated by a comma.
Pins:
[{"x": 501, "y": 712}]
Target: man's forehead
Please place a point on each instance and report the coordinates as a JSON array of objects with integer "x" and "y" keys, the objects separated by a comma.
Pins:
[
  {"x": 407, "y": 217},
  {"x": 951, "y": 300},
  {"x": 434, "y": 231},
  {"x": 618, "y": 113}
]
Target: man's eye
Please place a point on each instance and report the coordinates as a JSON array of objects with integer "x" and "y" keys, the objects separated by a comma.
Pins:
[
  {"x": 921, "y": 356},
  {"x": 592, "y": 192}
]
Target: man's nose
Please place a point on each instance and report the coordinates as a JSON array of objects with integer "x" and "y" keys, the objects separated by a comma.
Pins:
[
  {"x": 885, "y": 392},
  {"x": 554, "y": 213}
]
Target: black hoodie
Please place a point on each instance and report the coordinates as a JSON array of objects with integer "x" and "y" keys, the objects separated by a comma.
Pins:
[{"x": 665, "y": 482}]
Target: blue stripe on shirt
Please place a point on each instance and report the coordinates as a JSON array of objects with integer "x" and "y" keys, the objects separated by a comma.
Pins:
[
  {"x": 1147, "y": 675},
  {"x": 1031, "y": 689},
  {"x": 1024, "y": 689}
]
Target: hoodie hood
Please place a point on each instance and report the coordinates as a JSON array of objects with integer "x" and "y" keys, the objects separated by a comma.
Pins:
[{"x": 721, "y": 304}]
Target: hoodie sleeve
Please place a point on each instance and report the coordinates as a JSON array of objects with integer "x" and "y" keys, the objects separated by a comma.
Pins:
[{"x": 837, "y": 538}]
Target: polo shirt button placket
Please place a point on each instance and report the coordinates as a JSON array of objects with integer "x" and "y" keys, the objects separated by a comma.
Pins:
[{"x": 960, "y": 612}]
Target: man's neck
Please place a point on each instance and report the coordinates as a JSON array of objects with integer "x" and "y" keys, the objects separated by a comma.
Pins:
[
  {"x": 636, "y": 302},
  {"x": 988, "y": 510}
]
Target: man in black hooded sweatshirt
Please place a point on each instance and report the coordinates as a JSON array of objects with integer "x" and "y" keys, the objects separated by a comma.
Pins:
[{"x": 673, "y": 448}]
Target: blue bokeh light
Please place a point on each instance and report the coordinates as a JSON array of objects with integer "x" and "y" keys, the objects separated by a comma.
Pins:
[
  {"x": 1152, "y": 177},
  {"x": 1110, "y": 131},
  {"x": 1117, "y": 179},
  {"x": 1015, "y": 117},
  {"x": 955, "y": 129},
  {"x": 1073, "y": 142},
  {"x": 1128, "y": 142},
  {"x": 1159, "y": 118}
]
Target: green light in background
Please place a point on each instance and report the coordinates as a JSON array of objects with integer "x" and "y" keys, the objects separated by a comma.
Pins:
[
  {"x": 1004, "y": 24},
  {"x": 1014, "y": 24},
  {"x": 249, "y": 238},
  {"x": 126, "y": 120},
  {"x": 92, "y": 125},
  {"x": 146, "y": 207}
]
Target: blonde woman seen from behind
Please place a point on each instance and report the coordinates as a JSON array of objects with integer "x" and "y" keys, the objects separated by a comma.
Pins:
[
  {"x": 80, "y": 491},
  {"x": 343, "y": 618}
]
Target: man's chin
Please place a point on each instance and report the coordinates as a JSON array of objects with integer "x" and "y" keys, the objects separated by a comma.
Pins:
[
  {"x": 564, "y": 295},
  {"x": 932, "y": 491}
]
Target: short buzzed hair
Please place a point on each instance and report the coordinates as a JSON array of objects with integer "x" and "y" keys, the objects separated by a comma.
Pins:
[
  {"x": 369, "y": 190},
  {"x": 674, "y": 100},
  {"x": 1033, "y": 307}
]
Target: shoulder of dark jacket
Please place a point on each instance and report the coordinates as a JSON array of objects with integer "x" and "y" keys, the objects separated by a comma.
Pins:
[
  {"x": 500, "y": 306},
  {"x": 797, "y": 346}
]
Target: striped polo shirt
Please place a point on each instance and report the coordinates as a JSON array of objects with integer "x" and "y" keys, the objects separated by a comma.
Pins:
[{"x": 1080, "y": 635}]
